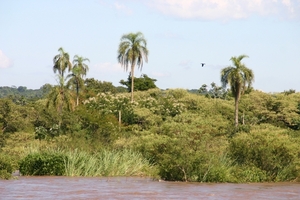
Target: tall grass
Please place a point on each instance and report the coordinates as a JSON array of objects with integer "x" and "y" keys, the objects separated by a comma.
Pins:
[
  {"x": 80, "y": 163},
  {"x": 103, "y": 163},
  {"x": 106, "y": 163},
  {"x": 123, "y": 163}
]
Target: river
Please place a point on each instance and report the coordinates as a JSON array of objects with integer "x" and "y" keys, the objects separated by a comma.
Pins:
[{"x": 139, "y": 188}]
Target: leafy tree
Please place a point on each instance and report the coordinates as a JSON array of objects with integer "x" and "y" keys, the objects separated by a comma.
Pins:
[
  {"x": 290, "y": 91},
  {"x": 121, "y": 89},
  {"x": 22, "y": 89},
  {"x": 4, "y": 114},
  {"x": 214, "y": 92},
  {"x": 141, "y": 84},
  {"x": 16, "y": 93},
  {"x": 94, "y": 86},
  {"x": 46, "y": 88},
  {"x": 132, "y": 51},
  {"x": 61, "y": 62},
  {"x": 15, "y": 117},
  {"x": 203, "y": 89},
  {"x": 239, "y": 77},
  {"x": 79, "y": 70}
]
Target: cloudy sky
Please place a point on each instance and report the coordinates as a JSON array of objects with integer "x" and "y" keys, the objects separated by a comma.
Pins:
[{"x": 181, "y": 34}]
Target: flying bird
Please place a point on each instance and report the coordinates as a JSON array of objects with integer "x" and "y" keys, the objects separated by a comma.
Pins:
[{"x": 202, "y": 64}]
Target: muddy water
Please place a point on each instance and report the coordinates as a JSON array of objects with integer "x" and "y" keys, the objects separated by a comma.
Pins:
[{"x": 138, "y": 188}]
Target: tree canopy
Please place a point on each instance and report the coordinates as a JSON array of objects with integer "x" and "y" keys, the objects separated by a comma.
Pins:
[{"x": 140, "y": 84}]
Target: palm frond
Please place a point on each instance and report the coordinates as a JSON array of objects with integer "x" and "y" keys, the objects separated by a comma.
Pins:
[
  {"x": 238, "y": 76},
  {"x": 61, "y": 62}
]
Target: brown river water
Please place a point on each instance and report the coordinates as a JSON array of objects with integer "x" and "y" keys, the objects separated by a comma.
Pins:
[{"x": 139, "y": 188}]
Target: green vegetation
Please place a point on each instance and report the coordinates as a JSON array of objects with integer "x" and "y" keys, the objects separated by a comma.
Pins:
[
  {"x": 81, "y": 163},
  {"x": 174, "y": 134},
  {"x": 21, "y": 95},
  {"x": 140, "y": 84},
  {"x": 6, "y": 168}
]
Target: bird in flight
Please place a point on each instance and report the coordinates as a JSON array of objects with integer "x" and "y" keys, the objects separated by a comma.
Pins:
[{"x": 202, "y": 64}]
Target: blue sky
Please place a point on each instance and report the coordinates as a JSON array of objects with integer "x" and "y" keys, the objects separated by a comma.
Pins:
[{"x": 181, "y": 34}]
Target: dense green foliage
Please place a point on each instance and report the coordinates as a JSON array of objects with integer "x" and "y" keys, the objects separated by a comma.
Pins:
[
  {"x": 270, "y": 150},
  {"x": 6, "y": 168},
  {"x": 43, "y": 164},
  {"x": 182, "y": 136},
  {"x": 214, "y": 91},
  {"x": 140, "y": 84},
  {"x": 20, "y": 95},
  {"x": 91, "y": 128}
]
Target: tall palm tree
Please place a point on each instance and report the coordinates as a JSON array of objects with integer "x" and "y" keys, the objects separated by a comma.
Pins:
[
  {"x": 239, "y": 77},
  {"x": 79, "y": 70},
  {"x": 62, "y": 62},
  {"x": 132, "y": 51}
]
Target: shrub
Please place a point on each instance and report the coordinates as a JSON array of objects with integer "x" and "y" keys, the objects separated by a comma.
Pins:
[
  {"x": 245, "y": 174},
  {"x": 5, "y": 167},
  {"x": 184, "y": 154},
  {"x": 268, "y": 150},
  {"x": 43, "y": 163}
]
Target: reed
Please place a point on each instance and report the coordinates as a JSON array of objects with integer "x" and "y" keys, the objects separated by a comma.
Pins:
[
  {"x": 106, "y": 163},
  {"x": 81, "y": 163}
]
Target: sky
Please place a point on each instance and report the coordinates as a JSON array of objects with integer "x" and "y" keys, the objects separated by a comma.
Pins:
[{"x": 180, "y": 34}]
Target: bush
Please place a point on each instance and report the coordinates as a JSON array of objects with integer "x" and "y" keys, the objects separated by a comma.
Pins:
[
  {"x": 43, "y": 163},
  {"x": 268, "y": 150},
  {"x": 182, "y": 154},
  {"x": 5, "y": 167},
  {"x": 245, "y": 174}
]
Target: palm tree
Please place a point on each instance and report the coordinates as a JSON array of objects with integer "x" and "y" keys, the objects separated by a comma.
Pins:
[
  {"x": 61, "y": 62},
  {"x": 60, "y": 96},
  {"x": 239, "y": 77},
  {"x": 132, "y": 51},
  {"x": 79, "y": 70}
]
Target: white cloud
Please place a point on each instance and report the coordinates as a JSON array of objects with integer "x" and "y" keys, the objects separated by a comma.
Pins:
[
  {"x": 5, "y": 62},
  {"x": 122, "y": 8},
  {"x": 225, "y": 9}
]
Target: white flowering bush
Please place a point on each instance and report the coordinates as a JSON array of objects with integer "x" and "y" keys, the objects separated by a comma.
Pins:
[
  {"x": 42, "y": 133},
  {"x": 107, "y": 103},
  {"x": 164, "y": 104},
  {"x": 158, "y": 102}
]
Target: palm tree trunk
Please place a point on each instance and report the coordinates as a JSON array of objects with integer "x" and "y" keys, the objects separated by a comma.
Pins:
[
  {"x": 237, "y": 110},
  {"x": 132, "y": 81},
  {"x": 77, "y": 93},
  {"x": 236, "y": 113},
  {"x": 61, "y": 102}
]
